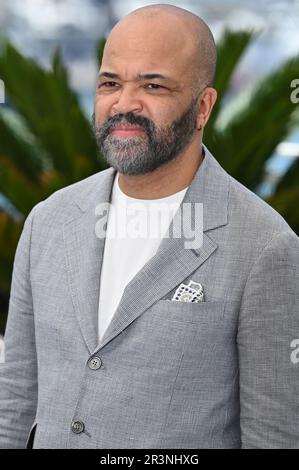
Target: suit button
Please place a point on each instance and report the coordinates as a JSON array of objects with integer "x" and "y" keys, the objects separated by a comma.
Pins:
[
  {"x": 94, "y": 363},
  {"x": 77, "y": 427}
]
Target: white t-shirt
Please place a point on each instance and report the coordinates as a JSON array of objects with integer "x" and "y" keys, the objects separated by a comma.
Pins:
[{"x": 135, "y": 228}]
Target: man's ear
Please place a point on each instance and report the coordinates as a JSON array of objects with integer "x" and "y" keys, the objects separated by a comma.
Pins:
[{"x": 205, "y": 106}]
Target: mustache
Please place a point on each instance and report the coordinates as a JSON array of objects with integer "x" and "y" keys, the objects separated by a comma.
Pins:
[{"x": 123, "y": 119}]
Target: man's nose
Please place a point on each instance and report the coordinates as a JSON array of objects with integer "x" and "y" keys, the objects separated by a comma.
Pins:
[{"x": 127, "y": 100}]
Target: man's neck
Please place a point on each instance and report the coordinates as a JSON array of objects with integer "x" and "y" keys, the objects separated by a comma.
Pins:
[{"x": 165, "y": 180}]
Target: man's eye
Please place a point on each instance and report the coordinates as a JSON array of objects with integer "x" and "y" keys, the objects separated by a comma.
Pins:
[
  {"x": 107, "y": 85},
  {"x": 154, "y": 86}
]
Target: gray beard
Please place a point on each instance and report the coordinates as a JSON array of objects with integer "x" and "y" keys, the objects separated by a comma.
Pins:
[{"x": 144, "y": 153}]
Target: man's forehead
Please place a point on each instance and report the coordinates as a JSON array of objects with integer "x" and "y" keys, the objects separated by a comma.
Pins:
[
  {"x": 104, "y": 73},
  {"x": 139, "y": 62},
  {"x": 136, "y": 70},
  {"x": 145, "y": 58},
  {"x": 155, "y": 49}
]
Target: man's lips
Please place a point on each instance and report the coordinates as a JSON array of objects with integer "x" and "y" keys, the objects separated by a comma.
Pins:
[{"x": 126, "y": 131}]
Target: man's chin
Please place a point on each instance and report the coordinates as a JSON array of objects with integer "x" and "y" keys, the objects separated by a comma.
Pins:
[
  {"x": 126, "y": 140},
  {"x": 127, "y": 164},
  {"x": 128, "y": 148}
]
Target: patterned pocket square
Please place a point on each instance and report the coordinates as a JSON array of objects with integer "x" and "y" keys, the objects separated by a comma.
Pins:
[{"x": 193, "y": 292}]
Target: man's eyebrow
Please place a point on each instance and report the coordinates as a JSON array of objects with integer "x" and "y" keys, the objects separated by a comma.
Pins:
[
  {"x": 151, "y": 76},
  {"x": 140, "y": 76}
]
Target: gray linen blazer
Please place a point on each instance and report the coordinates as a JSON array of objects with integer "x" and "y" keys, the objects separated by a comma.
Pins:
[{"x": 214, "y": 374}]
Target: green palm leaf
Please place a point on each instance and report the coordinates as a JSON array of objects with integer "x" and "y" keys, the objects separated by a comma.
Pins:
[
  {"x": 51, "y": 112},
  {"x": 251, "y": 136},
  {"x": 229, "y": 52},
  {"x": 20, "y": 152}
]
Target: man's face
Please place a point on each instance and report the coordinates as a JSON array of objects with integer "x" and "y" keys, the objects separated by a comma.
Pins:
[{"x": 145, "y": 115}]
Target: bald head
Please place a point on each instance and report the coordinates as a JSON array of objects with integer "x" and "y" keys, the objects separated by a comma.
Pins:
[{"x": 195, "y": 46}]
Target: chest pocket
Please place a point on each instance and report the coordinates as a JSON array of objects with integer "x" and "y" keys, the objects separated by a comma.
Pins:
[{"x": 191, "y": 312}]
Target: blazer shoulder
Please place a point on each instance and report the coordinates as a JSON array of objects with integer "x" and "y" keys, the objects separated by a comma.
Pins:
[
  {"x": 255, "y": 214},
  {"x": 65, "y": 199}
]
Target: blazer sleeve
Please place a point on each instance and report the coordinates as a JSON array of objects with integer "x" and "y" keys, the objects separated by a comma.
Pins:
[
  {"x": 268, "y": 330},
  {"x": 18, "y": 374}
]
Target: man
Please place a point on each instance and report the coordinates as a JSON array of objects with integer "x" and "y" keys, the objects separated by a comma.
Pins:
[{"x": 145, "y": 342}]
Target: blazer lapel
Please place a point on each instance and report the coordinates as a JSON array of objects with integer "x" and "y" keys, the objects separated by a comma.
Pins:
[
  {"x": 173, "y": 262},
  {"x": 84, "y": 254}
]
